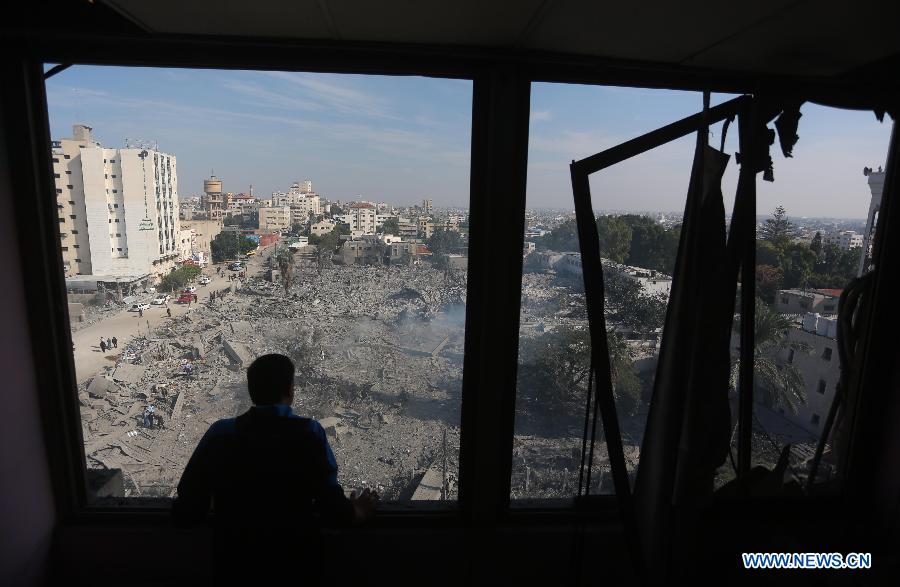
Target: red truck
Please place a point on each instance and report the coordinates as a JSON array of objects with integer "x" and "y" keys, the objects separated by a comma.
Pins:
[{"x": 185, "y": 298}]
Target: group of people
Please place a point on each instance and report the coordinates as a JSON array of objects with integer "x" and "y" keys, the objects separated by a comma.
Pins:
[{"x": 107, "y": 344}]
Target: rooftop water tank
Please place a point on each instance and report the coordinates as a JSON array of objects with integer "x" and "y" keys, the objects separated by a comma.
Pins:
[{"x": 810, "y": 320}]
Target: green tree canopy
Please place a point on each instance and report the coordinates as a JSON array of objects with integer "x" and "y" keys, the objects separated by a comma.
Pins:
[
  {"x": 778, "y": 230},
  {"x": 391, "y": 226}
]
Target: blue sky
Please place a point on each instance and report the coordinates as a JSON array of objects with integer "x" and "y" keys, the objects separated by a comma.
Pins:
[{"x": 400, "y": 139}]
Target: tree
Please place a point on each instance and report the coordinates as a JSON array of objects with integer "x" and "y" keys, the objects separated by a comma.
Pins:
[
  {"x": 778, "y": 230},
  {"x": 615, "y": 238},
  {"x": 391, "y": 226},
  {"x": 179, "y": 278},
  {"x": 816, "y": 245},
  {"x": 442, "y": 243},
  {"x": 767, "y": 254},
  {"x": 782, "y": 385},
  {"x": 284, "y": 258},
  {"x": 228, "y": 245},
  {"x": 768, "y": 282},
  {"x": 797, "y": 262}
]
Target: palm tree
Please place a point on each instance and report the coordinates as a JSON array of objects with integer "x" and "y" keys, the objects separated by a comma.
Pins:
[
  {"x": 782, "y": 385},
  {"x": 285, "y": 259}
]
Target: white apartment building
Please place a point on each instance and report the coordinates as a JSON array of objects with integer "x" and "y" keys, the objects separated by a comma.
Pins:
[
  {"x": 275, "y": 218},
  {"x": 118, "y": 208},
  {"x": 820, "y": 367},
  {"x": 361, "y": 217},
  {"x": 844, "y": 239}
]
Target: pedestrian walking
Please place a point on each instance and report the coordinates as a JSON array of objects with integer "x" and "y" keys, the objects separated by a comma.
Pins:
[
  {"x": 140, "y": 312},
  {"x": 102, "y": 346},
  {"x": 169, "y": 312},
  {"x": 195, "y": 297},
  {"x": 108, "y": 343},
  {"x": 115, "y": 342}
]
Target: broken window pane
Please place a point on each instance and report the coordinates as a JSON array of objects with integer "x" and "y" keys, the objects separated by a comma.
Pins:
[
  {"x": 324, "y": 217},
  {"x": 638, "y": 206}
]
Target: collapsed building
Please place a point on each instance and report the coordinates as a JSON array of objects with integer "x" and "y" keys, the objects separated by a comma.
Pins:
[{"x": 378, "y": 351}]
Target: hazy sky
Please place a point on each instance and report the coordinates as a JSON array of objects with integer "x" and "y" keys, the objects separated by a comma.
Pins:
[{"x": 400, "y": 139}]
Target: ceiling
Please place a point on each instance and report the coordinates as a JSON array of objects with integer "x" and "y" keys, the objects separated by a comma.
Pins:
[
  {"x": 803, "y": 37},
  {"x": 809, "y": 38}
]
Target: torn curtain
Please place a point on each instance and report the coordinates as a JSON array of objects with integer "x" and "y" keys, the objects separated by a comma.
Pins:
[{"x": 688, "y": 425}]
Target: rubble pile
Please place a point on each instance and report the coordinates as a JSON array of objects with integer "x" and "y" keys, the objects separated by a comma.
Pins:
[{"x": 379, "y": 355}]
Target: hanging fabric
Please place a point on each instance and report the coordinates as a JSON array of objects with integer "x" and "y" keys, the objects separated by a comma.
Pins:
[{"x": 688, "y": 425}]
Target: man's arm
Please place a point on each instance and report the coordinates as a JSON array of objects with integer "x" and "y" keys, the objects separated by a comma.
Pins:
[{"x": 331, "y": 501}]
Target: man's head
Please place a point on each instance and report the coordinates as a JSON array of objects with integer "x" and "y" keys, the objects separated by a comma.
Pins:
[{"x": 270, "y": 380}]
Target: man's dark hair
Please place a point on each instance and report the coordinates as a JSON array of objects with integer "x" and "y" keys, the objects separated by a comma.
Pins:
[{"x": 269, "y": 378}]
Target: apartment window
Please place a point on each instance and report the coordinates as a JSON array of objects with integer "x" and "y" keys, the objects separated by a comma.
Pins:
[
  {"x": 64, "y": 248},
  {"x": 67, "y": 156},
  {"x": 105, "y": 176},
  {"x": 61, "y": 220},
  {"x": 56, "y": 160},
  {"x": 112, "y": 160},
  {"x": 814, "y": 419},
  {"x": 72, "y": 216},
  {"x": 115, "y": 191},
  {"x": 74, "y": 232},
  {"x": 72, "y": 202},
  {"x": 407, "y": 391},
  {"x": 69, "y": 186},
  {"x": 76, "y": 246},
  {"x": 826, "y": 354},
  {"x": 78, "y": 260},
  {"x": 821, "y": 387},
  {"x": 56, "y": 175},
  {"x": 68, "y": 172},
  {"x": 58, "y": 191}
]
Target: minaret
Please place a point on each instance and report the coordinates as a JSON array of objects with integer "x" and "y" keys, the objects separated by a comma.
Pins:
[{"x": 876, "y": 184}]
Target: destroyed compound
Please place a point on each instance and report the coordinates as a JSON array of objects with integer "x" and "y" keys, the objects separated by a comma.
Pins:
[{"x": 379, "y": 356}]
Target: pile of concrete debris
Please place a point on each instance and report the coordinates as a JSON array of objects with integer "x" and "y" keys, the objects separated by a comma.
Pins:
[{"x": 379, "y": 355}]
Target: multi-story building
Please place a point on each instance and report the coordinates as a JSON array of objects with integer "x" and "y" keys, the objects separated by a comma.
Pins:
[
  {"x": 118, "y": 208},
  {"x": 322, "y": 227},
  {"x": 213, "y": 201},
  {"x": 361, "y": 217},
  {"x": 844, "y": 239},
  {"x": 275, "y": 218},
  {"x": 203, "y": 232},
  {"x": 819, "y": 366},
  {"x": 428, "y": 206}
]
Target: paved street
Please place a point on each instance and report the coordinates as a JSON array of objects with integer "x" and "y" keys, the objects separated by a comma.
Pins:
[{"x": 125, "y": 324}]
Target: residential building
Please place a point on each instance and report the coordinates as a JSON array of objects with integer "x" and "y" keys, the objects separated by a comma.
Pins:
[
  {"x": 361, "y": 216},
  {"x": 527, "y": 248},
  {"x": 118, "y": 208},
  {"x": 322, "y": 227},
  {"x": 425, "y": 227},
  {"x": 275, "y": 218},
  {"x": 428, "y": 206},
  {"x": 819, "y": 366},
  {"x": 800, "y": 301},
  {"x": 203, "y": 232},
  {"x": 407, "y": 228},
  {"x": 844, "y": 239}
]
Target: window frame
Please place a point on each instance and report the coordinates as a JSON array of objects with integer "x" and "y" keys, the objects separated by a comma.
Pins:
[{"x": 498, "y": 169}]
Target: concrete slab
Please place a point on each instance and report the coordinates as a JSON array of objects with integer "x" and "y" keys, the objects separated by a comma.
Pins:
[
  {"x": 430, "y": 486},
  {"x": 128, "y": 373},
  {"x": 238, "y": 353},
  {"x": 102, "y": 386}
]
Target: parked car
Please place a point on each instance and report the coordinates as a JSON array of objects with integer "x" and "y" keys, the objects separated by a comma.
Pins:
[
  {"x": 160, "y": 300},
  {"x": 190, "y": 289},
  {"x": 139, "y": 307},
  {"x": 185, "y": 298},
  {"x": 235, "y": 267},
  {"x": 204, "y": 280},
  {"x": 150, "y": 290}
]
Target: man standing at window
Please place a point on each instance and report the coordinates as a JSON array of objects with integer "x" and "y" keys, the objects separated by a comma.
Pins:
[{"x": 269, "y": 476}]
